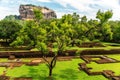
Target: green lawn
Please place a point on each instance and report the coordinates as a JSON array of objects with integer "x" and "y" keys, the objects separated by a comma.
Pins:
[
  {"x": 110, "y": 44},
  {"x": 92, "y": 48},
  {"x": 64, "y": 70},
  {"x": 116, "y": 56},
  {"x": 95, "y": 58},
  {"x": 22, "y": 59},
  {"x": 4, "y": 60},
  {"x": 109, "y": 66}
]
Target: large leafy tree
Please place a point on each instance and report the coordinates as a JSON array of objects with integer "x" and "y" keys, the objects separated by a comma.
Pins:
[
  {"x": 104, "y": 28},
  {"x": 57, "y": 31}
]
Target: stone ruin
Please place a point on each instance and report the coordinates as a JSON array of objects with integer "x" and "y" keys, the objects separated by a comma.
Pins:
[
  {"x": 102, "y": 60},
  {"x": 27, "y": 12}
]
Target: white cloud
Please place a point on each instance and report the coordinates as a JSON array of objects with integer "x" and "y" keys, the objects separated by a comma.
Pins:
[
  {"x": 7, "y": 11},
  {"x": 60, "y": 14},
  {"x": 84, "y": 6},
  {"x": 44, "y": 0}
]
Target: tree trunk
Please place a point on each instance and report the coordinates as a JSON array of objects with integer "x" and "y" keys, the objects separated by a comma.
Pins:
[
  {"x": 50, "y": 72},
  {"x": 73, "y": 43},
  {"x": 52, "y": 65}
]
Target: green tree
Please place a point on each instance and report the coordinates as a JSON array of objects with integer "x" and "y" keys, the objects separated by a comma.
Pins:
[
  {"x": 73, "y": 27},
  {"x": 11, "y": 17},
  {"x": 104, "y": 28},
  {"x": 41, "y": 35},
  {"x": 27, "y": 35},
  {"x": 115, "y": 25},
  {"x": 92, "y": 32},
  {"x": 9, "y": 30}
]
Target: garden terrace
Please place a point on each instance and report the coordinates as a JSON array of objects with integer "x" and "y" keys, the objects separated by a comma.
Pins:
[
  {"x": 101, "y": 65},
  {"x": 60, "y": 72},
  {"x": 71, "y": 52},
  {"x": 100, "y": 51},
  {"x": 31, "y": 54},
  {"x": 100, "y": 59}
]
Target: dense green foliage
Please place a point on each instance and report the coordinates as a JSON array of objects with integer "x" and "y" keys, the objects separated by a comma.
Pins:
[
  {"x": 70, "y": 30},
  {"x": 12, "y": 17},
  {"x": 9, "y": 30}
]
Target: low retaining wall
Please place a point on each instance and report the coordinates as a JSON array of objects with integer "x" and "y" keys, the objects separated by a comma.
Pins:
[
  {"x": 91, "y": 44},
  {"x": 65, "y": 53},
  {"x": 28, "y": 54},
  {"x": 22, "y": 54},
  {"x": 100, "y": 52}
]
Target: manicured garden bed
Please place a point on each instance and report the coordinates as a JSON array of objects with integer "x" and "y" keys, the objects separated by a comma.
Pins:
[
  {"x": 117, "y": 56},
  {"x": 67, "y": 68},
  {"x": 107, "y": 65},
  {"x": 64, "y": 70},
  {"x": 115, "y": 67}
]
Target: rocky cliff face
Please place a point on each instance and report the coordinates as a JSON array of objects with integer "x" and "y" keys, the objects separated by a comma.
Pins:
[{"x": 26, "y": 12}]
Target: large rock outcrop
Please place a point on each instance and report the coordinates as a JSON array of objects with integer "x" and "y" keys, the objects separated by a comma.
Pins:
[{"x": 27, "y": 13}]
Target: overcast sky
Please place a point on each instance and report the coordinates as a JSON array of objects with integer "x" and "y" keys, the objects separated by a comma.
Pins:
[{"x": 61, "y": 7}]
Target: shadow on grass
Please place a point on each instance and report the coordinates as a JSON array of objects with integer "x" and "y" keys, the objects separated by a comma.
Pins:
[
  {"x": 35, "y": 74},
  {"x": 69, "y": 74}
]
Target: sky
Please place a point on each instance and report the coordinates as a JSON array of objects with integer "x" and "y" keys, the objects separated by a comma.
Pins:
[{"x": 61, "y": 7}]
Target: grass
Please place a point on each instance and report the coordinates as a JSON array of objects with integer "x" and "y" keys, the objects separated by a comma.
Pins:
[
  {"x": 26, "y": 60},
  {"x": 109, "y": 66},
  {"x": 95, "y": 58},
  {"x": 1, "y": 70},
  {"x": 22, "y": 59},
  {"x": 110, "y": 44},
  {"x": 92, "y": 48},
  {"x": 4, "y": 60},
  {"x": 116, "y": 56},
  {"x": 64, "y": 70}
]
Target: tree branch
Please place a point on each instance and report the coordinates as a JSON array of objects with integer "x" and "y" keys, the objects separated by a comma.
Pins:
[{"x": 46, "y": 60}]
